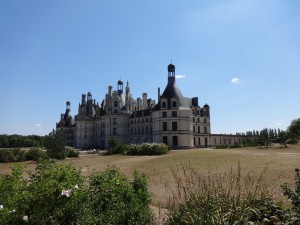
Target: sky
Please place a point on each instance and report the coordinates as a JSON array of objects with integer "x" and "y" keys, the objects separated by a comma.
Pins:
[{"x": 242, "y": 57}]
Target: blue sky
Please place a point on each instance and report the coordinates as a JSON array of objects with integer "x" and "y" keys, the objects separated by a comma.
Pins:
[{"x": 242, "y": 57}]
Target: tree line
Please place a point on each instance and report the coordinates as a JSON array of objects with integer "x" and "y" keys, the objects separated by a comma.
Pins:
[
  {"x": 291, "y": 134},
  {"x": 18, "y": 141}
]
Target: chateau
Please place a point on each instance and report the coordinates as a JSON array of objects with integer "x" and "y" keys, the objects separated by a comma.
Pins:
[{"x": 175, "y": 120}]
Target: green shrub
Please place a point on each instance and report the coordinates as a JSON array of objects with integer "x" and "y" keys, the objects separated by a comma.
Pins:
[
  {"x": 40, "y": 198},
  {"x": 294, "y": 195},
  {"x": 5, "y": 156},
  {"x": 113, "y": 143},
  {"x": 120, "y": 149},
  {"x": 12, "y": 155},
  {"x": 71, "y": 152},
  {"x": 59, "y": 194},
  {"x": 140, "y": 187},
  {"x": 36, "y": 154},
  {"x": 148, "y": 149},
  {"x": 115, "y": 200}
]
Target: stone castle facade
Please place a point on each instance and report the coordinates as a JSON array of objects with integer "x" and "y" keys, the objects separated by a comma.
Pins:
[{"x": 175, "y": 120}]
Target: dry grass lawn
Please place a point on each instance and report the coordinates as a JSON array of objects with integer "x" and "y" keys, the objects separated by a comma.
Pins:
[{"x": 280, "y": 163}]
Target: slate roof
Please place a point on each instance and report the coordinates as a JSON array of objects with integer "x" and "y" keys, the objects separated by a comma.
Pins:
[
  {"x": 141, "y": 113},
  {"x": 172, "y": 91}
]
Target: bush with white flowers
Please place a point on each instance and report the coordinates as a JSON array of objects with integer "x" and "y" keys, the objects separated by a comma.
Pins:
[{"x": 59, "y": 194}]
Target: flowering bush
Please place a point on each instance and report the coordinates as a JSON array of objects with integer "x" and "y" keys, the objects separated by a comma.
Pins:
[
  {"x": 59, "y": 194},
  {"x": 147, "y": 149},
  {"x": 71, "y": 152}
]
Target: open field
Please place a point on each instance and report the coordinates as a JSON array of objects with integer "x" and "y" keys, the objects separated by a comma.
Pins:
[{"x": 280, "y": 164}]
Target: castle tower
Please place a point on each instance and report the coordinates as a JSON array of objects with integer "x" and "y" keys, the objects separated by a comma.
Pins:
[
  {"x": 171, "y": 73},
  {"x": 120, "y": 87},
  {"x": 89, "y": 97},
  {"x": 68, "y": 107},
  {"x": 83, "y": 99}
]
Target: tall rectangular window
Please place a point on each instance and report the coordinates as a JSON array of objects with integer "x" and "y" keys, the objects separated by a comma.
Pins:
[
  {"x": 114, "y": 121},
  {"x": 174, "y": 126},
  {"x": 114, "y": 131},
  {"x": 165, "y": 140},
  {"x": 175, "y": 140},
  {"x": 116, "y": 103},
  {"x": 174, "y": 113},
  {"x": 164, "y": 105},
  {"x": 174, "y": 104},
  {"x": 164, "y": 114},
  {"x": 165, "y": 126}
]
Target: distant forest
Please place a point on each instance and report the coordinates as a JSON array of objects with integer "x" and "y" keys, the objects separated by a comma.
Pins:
[{"x": 18, "y": 141}]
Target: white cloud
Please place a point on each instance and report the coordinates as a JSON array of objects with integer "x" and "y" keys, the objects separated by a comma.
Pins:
[
  {"x": 235, "y": 80},
  {"x": 38, "y": 124},
  {"x": 180, "y": 76}
]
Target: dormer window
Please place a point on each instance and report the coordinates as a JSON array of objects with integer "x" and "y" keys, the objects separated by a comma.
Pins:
[
  {"x": 174, "y": 104},
  {"x": 116, "y": 103},
  {"x": 164, "y": 105}
]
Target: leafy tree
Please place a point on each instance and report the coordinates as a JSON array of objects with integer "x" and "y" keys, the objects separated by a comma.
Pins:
[
  {"x": 113, "y": 143},
  {"x": 55, "y": 145},
  {"x": 282, "y": 138},
  {"x": 4, "y": 143},
  {"x": 264, "y": 134},
  {"x": 294, "y": 129}
]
